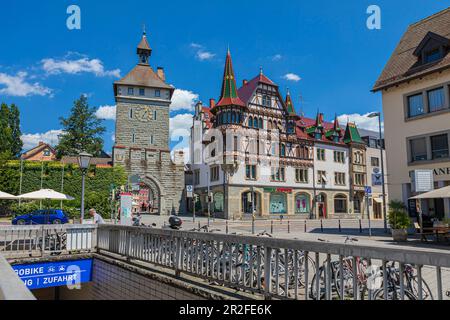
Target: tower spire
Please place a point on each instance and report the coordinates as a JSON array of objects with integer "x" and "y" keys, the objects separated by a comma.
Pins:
[
  {"x": 143, "y": 49},
  {"x": 229, "y": 95}
]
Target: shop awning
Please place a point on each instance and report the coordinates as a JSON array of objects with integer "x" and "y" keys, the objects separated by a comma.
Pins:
[
  {"x": 435, "y": 194},
  {"x": 6, "y": 196},
  {"x": 378, "y": 200}
]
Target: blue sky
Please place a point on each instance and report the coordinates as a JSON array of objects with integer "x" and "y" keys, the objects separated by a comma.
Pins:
[{"x": 44, "y": 66}]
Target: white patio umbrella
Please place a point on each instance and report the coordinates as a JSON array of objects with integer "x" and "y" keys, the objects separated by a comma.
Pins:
[
  {"x": 6, "y": 196},
  {"x": 435, "y": 194},
  {"x": 45, "y": 194}
]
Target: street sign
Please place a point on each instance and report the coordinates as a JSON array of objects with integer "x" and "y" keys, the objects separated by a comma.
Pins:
[
  {"x": 368, "y": 190},
  {"x": 54, "y": 274},
  {"x": 189, "y": 191}
]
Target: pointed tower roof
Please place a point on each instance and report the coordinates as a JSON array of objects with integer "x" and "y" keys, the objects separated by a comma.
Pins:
[
  {"x": 229, "y": 95},
  {"x": 319, "y": 120},
  {"x": 318, "y": 125},
  {"x": 335, "y": 131},
  {"x": 289, "y": 105},
  {"x": 352, "y": 134},
  {"x": 143, "y": 45}
]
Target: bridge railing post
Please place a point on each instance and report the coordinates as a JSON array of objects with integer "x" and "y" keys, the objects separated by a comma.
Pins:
[
  {"x": 42, "y": 241},
  {"x": 267, "y": 273},
  {"x": 177, "y": 256}
]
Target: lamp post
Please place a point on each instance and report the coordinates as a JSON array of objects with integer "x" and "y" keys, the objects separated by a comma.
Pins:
[
  {"x": 375, "y": 115},
  {"x": 84, "y": 160}
]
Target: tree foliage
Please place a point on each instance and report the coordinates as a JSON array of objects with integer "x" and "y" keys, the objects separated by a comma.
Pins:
[
  {"x": 82, "y": 131},
  {"x": 10, "y": 134}
]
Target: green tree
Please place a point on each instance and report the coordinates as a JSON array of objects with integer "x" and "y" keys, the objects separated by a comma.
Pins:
[
  {"x": 10, "y": 134},
  {"x": 16, "y": 144},
  {"x": 5, "y": 129},
  {"x": 82, "y": 131}
]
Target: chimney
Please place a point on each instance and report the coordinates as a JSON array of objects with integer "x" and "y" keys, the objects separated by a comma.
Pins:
[
  {"x": 161, "y": 75},
  {"x": 212, "y": 103},
  {"x": 244, "y": 82}
]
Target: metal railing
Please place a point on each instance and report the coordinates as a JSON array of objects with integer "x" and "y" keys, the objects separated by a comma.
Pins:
[
  {"x": 288, "y": 269},
  {"x": 41, "y": 240}
]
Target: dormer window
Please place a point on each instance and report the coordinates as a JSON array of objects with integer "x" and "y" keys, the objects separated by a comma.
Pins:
[
  {"x": 432, "y": 48},
  {"x": 432, "y": 55}
]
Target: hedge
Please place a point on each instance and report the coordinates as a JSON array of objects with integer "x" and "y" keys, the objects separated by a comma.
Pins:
[{"x": 97, "y": 185}]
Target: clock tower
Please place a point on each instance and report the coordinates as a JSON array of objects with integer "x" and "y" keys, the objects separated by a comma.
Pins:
[{"x": 143, "y": 100}]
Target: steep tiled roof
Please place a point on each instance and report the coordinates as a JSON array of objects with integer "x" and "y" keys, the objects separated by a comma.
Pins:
[
  {"x": 352, "y": 134},
  {"x": 246, "y": 91},
  {"x": 39, "y": 148},
  {"x": 144, "y": 76},
  {"x": 144, "y": 43},
  {"x": 402, "y": 65}
]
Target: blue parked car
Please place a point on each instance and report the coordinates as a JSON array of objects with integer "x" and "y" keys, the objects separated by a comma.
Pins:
[{"x": 46, "y": 216}]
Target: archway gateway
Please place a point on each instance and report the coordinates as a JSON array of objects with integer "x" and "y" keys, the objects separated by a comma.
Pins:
[{"x": 146, "y": 196}]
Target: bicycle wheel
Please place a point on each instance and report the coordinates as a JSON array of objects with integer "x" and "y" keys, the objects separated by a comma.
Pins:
[
  {"x": 413, "y": 286},
  {"x": 346, "y": 279},
  {"x": 314, "y": 292},
  {"x": 301, "y": 270},
  {"x": 393, "y": 294}
]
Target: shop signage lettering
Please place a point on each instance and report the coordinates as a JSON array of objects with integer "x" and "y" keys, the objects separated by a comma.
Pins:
[
  {"x": 282, "y": 190},
  {"x": 442, "y": 171}
]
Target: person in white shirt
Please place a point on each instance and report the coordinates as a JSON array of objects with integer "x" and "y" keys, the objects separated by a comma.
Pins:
[{"x": 97, "y": 218}]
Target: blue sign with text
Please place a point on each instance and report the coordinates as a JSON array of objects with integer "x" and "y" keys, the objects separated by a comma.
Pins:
[{"x": 54, "y": 274}]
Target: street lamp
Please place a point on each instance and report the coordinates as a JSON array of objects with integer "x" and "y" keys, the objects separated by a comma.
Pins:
[
  {"x": 84, "y": 160},
  {"x": 375, "y": 115}
]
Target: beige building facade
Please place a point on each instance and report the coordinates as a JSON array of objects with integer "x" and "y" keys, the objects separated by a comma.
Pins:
[{"x": 415, "y": 86}]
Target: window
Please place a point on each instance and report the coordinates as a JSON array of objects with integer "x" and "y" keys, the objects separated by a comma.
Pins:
[
  {"x": 340, "y": 204},
  {"x": 151, "y": 139},
  {"x": 278, "y": 174},
  {"x": 197, "y": 177},
  {"x": 415, "y": 105},
  {"x": 130, "y": 113},
  {"x": 283, "y": 150},
  {"x": 266, "y": 101},
  {"x": 375, "y": 162},
  {"x": 339, "y": 178},
  {"x": 214, "y": 173},
  {"x": 418, "y": 149},
  {"x": 154, "y": 115},
  {"x": 250, "y": 122},
  {"x": 157, "y": 93},
  {"x": 321, "y": 154},
  {"x": 130, "y": 91},
  {"x": 359, "y": 159},
  {"x": 46, "y": 153},
  {"x": 301, "y": 175},
  {"x": 432, "y": 55},
  {"x": 278, "y": 204},
  {"x": 141, "y": 91},
  {"x": 250, "y": 172},
  {"x": 261, "y": 126},
  {"x": 302, "y": 202},
  {"x": 133, "y": 138},
  {"x": 359, "y": 179},
  {"x": 218, "y": 202},
  {"x": 436, "y": 99},
  {"x": 339, "y": 156},
  {"x": 321, "y": 177},
  {"x": 357, "y": 205},
  {"x": 439, "y": 146}
]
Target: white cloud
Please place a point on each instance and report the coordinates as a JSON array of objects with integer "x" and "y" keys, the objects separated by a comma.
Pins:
[
  {"x": 205, "y": 55},
  {"x": 277, "y": 57},
  {"x": 106, "y": 112},
  {"x": 17, "y": 85},
  {"x": 180, "y": 127},
  {"x": 201, "y": 53},
  {"x": 77, "y": 66},
  {"x": 361, "y": 120},
  {"x": 292, "y": 77},
  {"x": 32, "y": 139},
  {"x": 183, "y": 100}
]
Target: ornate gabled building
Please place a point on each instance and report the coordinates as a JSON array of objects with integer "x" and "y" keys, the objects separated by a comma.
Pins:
[
  {"x": 273, "y": 161},
  {"x": 141, "y": 145}
]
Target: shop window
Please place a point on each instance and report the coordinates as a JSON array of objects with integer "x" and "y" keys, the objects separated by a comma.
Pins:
[
  {"x": 218, "y": 202},
  {"x": 302, "y": 203},
  {"x": 340, "y": 204},
  {"x": 278, "y": 203}
]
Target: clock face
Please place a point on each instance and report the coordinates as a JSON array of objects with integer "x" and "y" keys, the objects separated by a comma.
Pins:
[{"x": 145, "y": 114}]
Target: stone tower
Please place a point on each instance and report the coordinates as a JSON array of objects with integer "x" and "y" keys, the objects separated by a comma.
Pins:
[{"x": 142, "y": 136}]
